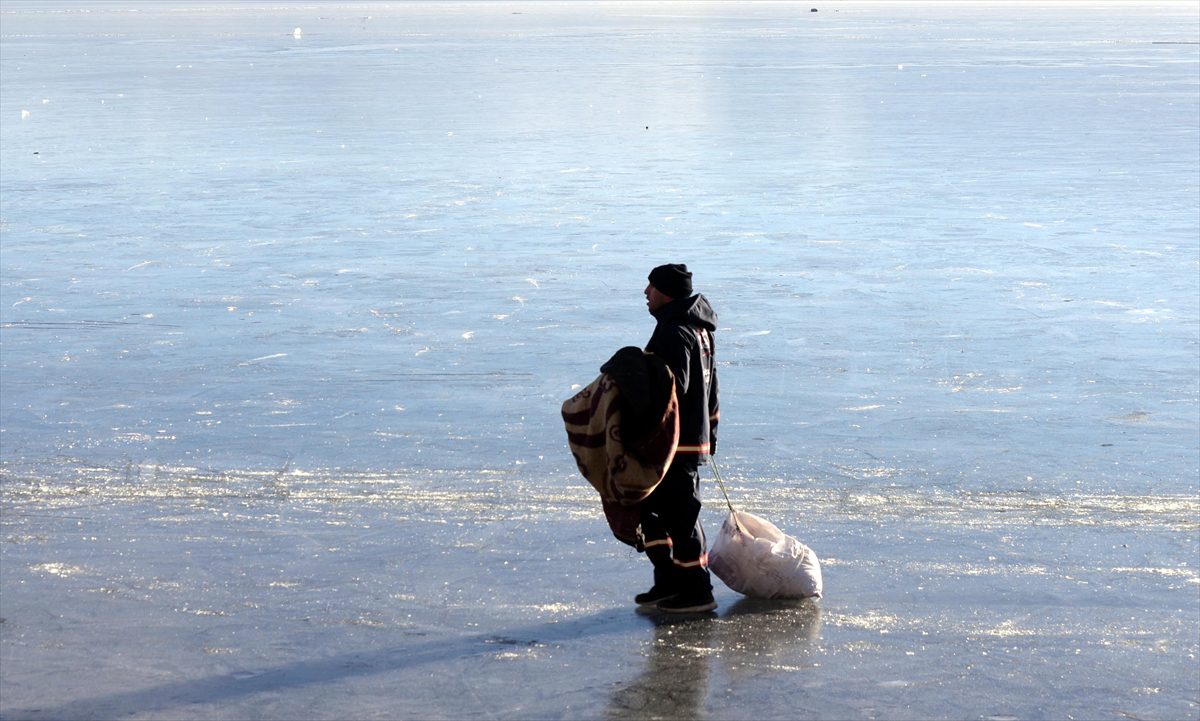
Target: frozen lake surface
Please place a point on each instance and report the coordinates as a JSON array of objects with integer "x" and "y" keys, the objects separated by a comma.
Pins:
[{"x": 286, "y": 320}]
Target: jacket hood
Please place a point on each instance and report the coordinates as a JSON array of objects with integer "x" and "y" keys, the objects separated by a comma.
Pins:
[{"x": 693, "y": 311}]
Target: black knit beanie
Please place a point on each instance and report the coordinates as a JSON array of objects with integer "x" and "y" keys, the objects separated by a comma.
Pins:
[{"x": 672, "y": 279}]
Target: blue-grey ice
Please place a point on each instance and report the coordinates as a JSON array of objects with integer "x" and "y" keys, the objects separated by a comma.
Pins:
[{"x": 291, "y": 293}]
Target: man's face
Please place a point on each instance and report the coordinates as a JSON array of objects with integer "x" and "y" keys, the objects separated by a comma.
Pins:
[{"x": 655, "y": 298}]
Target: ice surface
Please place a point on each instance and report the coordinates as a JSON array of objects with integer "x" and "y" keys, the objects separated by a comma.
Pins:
[
  {"x": 465, "y": 595},
  {"x": 290, "y": 294}
]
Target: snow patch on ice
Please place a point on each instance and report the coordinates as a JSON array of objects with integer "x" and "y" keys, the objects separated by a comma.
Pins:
[
  {"x": 260, "y": 359},
  {"x": 62, "y": 570}
]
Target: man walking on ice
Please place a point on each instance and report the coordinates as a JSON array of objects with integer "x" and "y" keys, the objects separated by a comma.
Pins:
[{"x": 670, "y": 516}]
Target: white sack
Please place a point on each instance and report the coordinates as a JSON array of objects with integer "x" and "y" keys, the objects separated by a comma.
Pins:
[{"x": 754, "y": 557}]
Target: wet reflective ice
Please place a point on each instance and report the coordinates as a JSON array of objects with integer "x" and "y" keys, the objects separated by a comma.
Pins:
[{"x": 286, "y": 318}]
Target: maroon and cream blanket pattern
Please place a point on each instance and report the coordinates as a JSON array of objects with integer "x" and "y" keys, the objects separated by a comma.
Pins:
[{"x": 622, "y": 474}]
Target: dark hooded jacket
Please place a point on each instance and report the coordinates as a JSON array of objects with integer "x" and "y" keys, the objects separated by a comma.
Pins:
[{"x": 684, "y": 339}]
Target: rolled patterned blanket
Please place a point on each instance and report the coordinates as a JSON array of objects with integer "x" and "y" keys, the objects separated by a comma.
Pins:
[{"x": 624, "y": 470}]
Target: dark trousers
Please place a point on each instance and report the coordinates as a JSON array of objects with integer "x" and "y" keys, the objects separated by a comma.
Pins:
[{"x": 671, "y": 530}]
